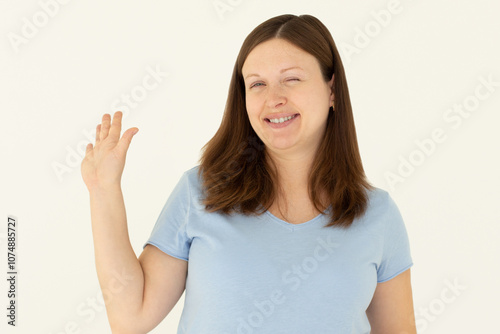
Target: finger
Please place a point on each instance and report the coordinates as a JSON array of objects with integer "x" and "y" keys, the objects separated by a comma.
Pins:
[
  {"x": 88, "y": 149},
  {"x": 106, "y": 120},
  {"x": 116, "y": 126},
  {"x": 124, "y": 142},
  {"x": 97, "y": 133}
]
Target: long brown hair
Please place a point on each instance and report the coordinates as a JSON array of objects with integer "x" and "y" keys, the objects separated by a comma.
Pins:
[{"x": 236, "y": 175}]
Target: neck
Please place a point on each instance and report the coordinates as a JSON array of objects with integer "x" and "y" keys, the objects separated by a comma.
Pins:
[{"x": 292, "y": 172}]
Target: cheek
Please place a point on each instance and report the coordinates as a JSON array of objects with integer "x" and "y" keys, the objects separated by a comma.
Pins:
[
  {"x": 317, "y": 100},
  {"x": 253, "y": 109}
]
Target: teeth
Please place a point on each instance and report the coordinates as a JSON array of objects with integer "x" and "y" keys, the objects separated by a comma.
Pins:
[{"x": 281, "y": 120}]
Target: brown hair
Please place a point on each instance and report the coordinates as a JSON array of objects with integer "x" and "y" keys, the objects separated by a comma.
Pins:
[{"x": 236, "y": 174}]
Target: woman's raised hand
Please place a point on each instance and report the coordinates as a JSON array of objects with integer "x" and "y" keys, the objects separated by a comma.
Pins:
[{"x": 103, "y": 163}]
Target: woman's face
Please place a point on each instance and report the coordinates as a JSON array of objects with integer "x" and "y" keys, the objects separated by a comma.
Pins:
[{"x": 287, "y": 98}]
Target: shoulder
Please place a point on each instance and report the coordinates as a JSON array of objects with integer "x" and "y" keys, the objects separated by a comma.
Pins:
[
  {"x": 193, "y": 170},
  {"x": 192, "y": 182},
  {"x": 381, "y": 210},
  {"x": 192, "y": 178},
  {"x": 379, "y": 201},
  {"x": 186, "y": 185}
]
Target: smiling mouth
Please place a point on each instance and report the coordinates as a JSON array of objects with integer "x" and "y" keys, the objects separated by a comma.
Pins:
[{"x": 281, "y": 119}]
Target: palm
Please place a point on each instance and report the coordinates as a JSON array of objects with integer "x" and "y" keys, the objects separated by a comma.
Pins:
[{"x": 104, "y": 163}]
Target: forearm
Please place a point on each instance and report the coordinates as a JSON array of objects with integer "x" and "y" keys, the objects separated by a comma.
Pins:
[{"x": 119, "y": 272}]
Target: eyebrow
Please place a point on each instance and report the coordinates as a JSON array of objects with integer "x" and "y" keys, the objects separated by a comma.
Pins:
[{"x": 282, "y": 71}]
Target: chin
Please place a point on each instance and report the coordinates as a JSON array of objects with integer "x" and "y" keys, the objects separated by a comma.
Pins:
[{"x": 281, "y": 145}]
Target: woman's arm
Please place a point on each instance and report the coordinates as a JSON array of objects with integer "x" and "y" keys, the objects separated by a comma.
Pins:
[
  {"x": 119, "y": 272},
  {"x": 138, "y": 293},
  {"x": 391, "y": 309}
]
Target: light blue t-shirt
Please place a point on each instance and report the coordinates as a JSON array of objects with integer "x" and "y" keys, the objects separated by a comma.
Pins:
[{"x": 260, "y": 274}]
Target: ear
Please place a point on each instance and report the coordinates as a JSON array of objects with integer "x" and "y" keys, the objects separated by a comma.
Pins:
[{"x": 331, "y": 85}]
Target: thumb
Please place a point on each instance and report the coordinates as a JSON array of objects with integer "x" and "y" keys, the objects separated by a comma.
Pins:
[{"x": 126, "y": 139}]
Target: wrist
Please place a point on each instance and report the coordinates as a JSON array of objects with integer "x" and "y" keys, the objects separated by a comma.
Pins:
[{"x": 104, "y": 189}]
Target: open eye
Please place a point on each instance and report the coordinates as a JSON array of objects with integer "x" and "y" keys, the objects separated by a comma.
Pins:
[{"x": 257, "y": 84}]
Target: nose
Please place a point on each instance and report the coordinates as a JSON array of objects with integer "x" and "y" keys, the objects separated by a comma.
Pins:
[{"x": 275, "y": 96}]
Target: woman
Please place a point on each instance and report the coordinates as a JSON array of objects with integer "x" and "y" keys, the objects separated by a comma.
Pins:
[{"x": 277, "y": 230}]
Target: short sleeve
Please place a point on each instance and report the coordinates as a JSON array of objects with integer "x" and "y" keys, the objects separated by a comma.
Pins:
[
  {"x": 169, "y": 232},
  {"x": 396, "y": 255}
]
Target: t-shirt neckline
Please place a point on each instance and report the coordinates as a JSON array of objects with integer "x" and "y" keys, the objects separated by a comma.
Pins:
[{"x": 297, "y": 226}]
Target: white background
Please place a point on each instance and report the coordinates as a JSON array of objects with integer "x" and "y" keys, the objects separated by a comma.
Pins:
[{"x": 403, "y": 78}]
